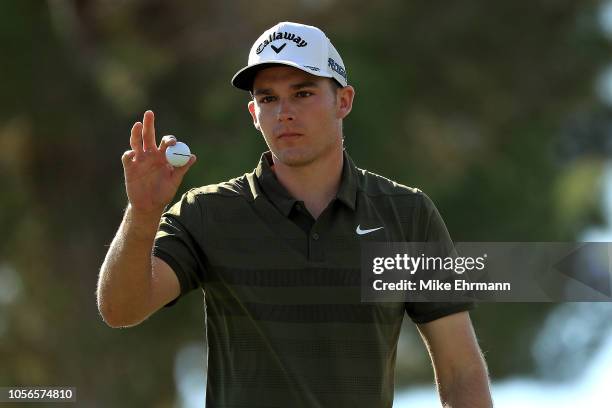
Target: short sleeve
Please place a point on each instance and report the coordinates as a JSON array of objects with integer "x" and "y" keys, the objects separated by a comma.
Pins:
[
  {"x": 431, "y": 229},
  {"x": 177, "y": 242}
]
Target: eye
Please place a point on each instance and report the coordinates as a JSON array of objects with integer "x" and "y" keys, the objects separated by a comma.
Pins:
[
  {"x": 303, "y": 94},
  {"x": 267, "y": 99}
]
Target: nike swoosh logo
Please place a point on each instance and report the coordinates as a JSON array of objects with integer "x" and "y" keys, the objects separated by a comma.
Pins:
[
  {"x": 360, "y": 231},
  {"x": 279, "y": 49}
]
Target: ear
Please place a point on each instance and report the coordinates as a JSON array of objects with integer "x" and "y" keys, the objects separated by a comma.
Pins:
[
  {"x": 251, "y": 107},
  {"x": 345, "y": 98}
]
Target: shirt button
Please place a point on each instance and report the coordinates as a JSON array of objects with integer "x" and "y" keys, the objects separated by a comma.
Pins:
[{"x": 315, "y": 236}]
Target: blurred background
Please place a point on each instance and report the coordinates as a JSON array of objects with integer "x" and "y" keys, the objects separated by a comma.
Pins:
[{"x": 501, "y": 111}]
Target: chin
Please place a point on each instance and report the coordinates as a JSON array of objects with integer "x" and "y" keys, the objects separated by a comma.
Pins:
[{"x": 295, "y": 157}]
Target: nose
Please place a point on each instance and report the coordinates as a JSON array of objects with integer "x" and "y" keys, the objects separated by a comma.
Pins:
[{"x": 285, "y": 111}]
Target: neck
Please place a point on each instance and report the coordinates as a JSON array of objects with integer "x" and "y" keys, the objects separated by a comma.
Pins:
[{"x": 316, "y": 184}]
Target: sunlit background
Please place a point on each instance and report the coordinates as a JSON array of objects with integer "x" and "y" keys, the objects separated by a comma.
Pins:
[{"x": 500, "y": 110}]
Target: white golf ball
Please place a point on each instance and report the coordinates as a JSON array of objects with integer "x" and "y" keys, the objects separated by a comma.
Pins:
[{"x": 178, "y": 155}]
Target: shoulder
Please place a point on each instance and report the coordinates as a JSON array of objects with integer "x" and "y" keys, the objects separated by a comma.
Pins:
[
  {"x": 379, "y": 188},
  {"x": 238, "y": 187},
  {"x": 374, "y": 185}
]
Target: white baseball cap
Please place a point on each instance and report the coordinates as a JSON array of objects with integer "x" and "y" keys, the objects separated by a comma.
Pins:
[{"x": 296, "y": 45}]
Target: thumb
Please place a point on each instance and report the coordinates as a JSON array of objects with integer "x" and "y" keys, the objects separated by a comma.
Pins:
[{"x": 179, "y": 172}]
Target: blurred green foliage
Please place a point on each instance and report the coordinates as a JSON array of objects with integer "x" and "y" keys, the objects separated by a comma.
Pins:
[{"x": 489, "y": 107}]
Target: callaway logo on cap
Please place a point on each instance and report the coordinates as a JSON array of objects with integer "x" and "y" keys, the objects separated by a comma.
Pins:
[{"x": 296, "y": 45}]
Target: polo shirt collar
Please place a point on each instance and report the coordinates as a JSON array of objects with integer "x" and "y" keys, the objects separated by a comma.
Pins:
[
  {"x": 347, "y": 193},
  {"x": 280, "y": 197},
  {"x": 271, "y": 187}
]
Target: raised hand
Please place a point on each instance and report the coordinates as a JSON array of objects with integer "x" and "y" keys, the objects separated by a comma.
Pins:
[{"x": 150, "y": 181}]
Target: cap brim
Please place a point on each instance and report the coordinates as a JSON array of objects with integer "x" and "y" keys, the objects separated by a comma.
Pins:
[{"x": 243, "y": 79}]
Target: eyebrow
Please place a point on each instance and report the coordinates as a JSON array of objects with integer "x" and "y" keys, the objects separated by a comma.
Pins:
[{"x": 300, "y": 85}]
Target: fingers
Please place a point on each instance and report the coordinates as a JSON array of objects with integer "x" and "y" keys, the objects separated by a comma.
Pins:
[
  {"x": 168, "y": 140},
  {"x": 148, "y": 131},
  {"x": 136, "y": 138}
]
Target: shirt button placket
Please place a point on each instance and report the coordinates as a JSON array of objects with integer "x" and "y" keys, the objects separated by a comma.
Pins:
[{"x": 316, "y": 247}]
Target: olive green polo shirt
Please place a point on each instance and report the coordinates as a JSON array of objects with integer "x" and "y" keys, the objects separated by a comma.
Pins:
[{"x": 285, "y": 323}]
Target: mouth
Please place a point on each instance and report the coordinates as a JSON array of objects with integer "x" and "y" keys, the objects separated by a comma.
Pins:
[{"x": 288, "y": 135}]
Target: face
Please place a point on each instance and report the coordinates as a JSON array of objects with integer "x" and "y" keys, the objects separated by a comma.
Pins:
[{"x": 299, "y": 114}]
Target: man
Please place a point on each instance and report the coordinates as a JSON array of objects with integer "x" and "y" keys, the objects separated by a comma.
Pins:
[{"x": 277, "y": 250}]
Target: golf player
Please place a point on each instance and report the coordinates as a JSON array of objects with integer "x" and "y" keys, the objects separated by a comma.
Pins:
[{"x": 276, "y": 251}]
